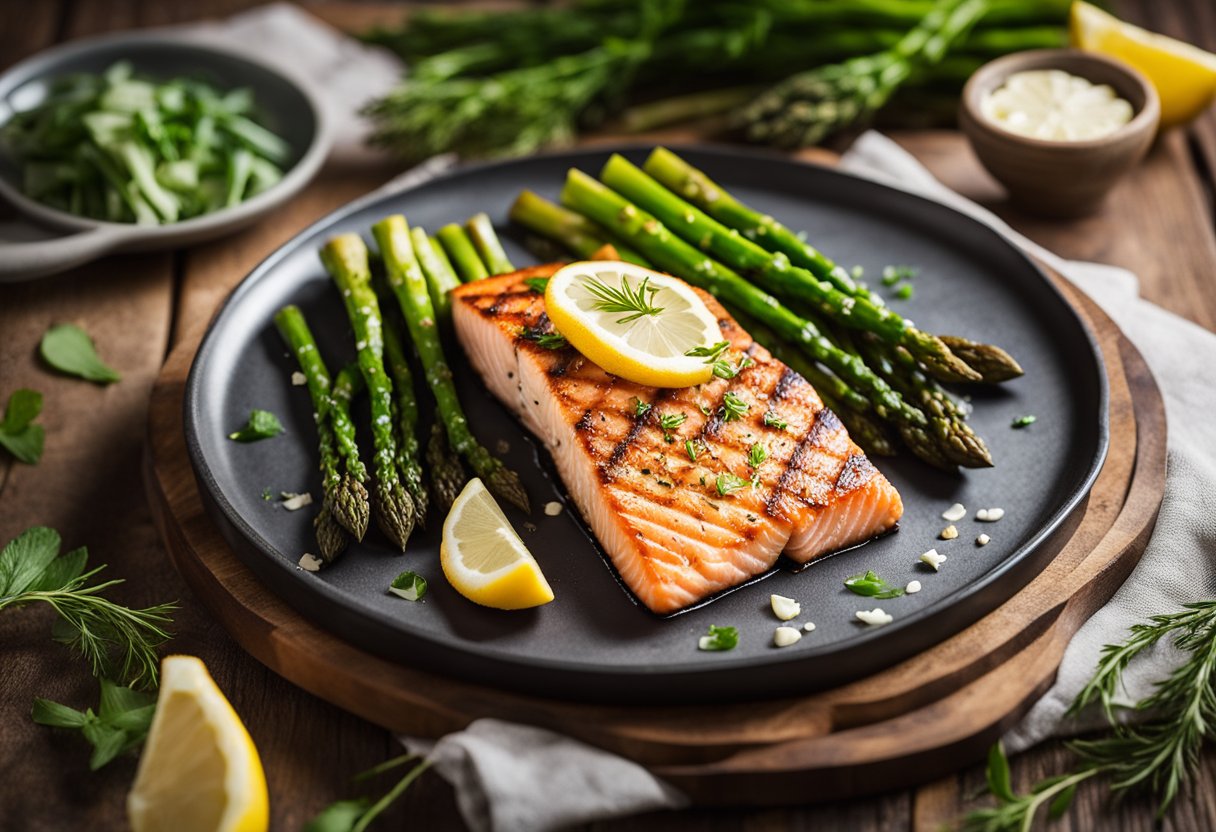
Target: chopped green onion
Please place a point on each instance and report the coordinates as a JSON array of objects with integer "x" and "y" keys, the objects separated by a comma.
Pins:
[
  {"x": 872, "y": 586},
  {"x": 262, "y": 424},
  {"x": 719, "y": 638},
  {"x": 1024, "y": 421},
  {"x": 409, "y": 585}
]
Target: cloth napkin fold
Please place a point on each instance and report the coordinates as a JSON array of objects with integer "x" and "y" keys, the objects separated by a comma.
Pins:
[{"x": 512, "y": 777}]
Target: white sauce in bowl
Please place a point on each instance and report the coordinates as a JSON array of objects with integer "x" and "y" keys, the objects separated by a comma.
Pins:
[{"x": 1052, "y": 104}]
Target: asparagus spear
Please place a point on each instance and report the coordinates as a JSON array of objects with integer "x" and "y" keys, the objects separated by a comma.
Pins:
[
  {"x": 481, "y": 232},
  {"x": 407, "y": 417},
  {"x": 447, "y": 474},
  {"x": 331, "y": 537},
  {"x": 440, "y": 278},
  {"x": 993, "y": 363},
  {"x": 776, "y": 273},
  {"x": 345, "y": 498},
  {"x": 664, "y": 249},
  {"x": 459, "y": 247},
  {"x": 346, "y": 384},
  {"x": 345, "y": 258},
  {"x": 579, "y": 235},
  {"x": 406, "y": 280}
]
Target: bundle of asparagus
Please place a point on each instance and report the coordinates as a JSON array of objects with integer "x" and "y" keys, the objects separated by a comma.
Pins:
[
  {"x": 418, "y": 272},
  {"x": 510, "y": 82},
  {"x": 878, "y": 371}
]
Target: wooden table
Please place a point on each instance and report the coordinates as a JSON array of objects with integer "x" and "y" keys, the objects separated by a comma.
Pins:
[{"x": 88, "y": 485}]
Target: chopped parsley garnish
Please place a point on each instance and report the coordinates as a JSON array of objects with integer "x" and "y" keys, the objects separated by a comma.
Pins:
[
  {"x": 640, "y": 408},
  {"x": 704, "y": 408},
  {"x": 872, "y": 586},
  {"x": 733, "y": 407},
  {"x": 893, "y": 274},
  {"x": 711, "y": 353},
  {"x": 772, "y": 420},
  {"x": 723, "y": 368},
  {"x": 1024, "y": 421},
  {"x": 904, "y": 292},
  {"x": 671, "y": 421},
  {"x": 267, "y": 494},
  {"x": 537, "y": 284},
  {"x": 691, "y": 447},
  {"x": 262, "y": 424},
  {"x": 757, "y": 455},
  {"x": 546, "y": 340},
  {"x": 409, "y": 585},
  {"x": 728, "y": 483},
  {"x": 719, "y": 638}
]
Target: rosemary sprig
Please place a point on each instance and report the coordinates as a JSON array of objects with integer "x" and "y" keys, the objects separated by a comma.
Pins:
[
  {"x": 117, "y": 641},
  {"x": 1158, "y": 755},
  {"x": 636, "y": 302}
]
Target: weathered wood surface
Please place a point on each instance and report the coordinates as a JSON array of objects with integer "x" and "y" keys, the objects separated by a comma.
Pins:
[{"x": 1159, "y": 224}]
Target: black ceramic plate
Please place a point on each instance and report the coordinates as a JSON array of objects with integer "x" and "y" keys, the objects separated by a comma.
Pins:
[{"x": 594, "y": 641}]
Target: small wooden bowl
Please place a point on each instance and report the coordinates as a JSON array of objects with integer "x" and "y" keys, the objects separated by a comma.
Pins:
[{"x": 1060, "y": 178}]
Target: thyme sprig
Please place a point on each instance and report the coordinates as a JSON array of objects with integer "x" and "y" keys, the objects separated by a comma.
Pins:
[{"x": 636, "y": 302}]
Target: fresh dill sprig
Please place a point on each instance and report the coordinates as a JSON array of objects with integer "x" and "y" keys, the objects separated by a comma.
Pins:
[
  {"x": 640, "y": 408},
  {"x": 117, "y": 641},
  {"x": 637, "y": 302},
  {"x": 1158, "y": 755},
  {"x": 711, "y": 353},
  {"x": 773, "y": 420},
  {"x": 733, "y": 407}
]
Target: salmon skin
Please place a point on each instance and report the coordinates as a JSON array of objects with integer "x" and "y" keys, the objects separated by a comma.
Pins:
[{"x": 672, "y": 535}]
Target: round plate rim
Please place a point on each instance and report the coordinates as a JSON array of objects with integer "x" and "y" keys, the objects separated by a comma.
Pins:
[{"x": 213, "y": 494}]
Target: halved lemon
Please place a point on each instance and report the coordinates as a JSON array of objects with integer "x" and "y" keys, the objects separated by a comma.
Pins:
[
  {"x": 484, "y": 559},
  {"x": 199, "y": 771},
  {"x": 635, "y": 323},
  {"x": 1184, "y": 75}
]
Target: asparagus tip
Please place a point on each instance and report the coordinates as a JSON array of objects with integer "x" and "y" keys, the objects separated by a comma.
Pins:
[
  {"x": 350, "y": 506},
  {"x": 331, "y": 538},
  {"x": 394, "y": 512}
]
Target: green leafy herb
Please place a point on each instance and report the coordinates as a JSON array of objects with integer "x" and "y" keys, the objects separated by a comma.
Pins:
[
  {"x": 711, "y": 353},
  {"x": 671, "y": 421},
  {"x": 638, "y": 303},
  {"x": 537, "y": 284},
  {"x": 733, "y": 407},
  {"x": 773, "y": 420},
  {"x": 872, "y": 586},
  {"x": 756, "y": 455},
  {"x": 356, "y": 815},
  {"x": 123, "y": 149},
  {"x": 1157, "y": 755},
  {"x": 262, "y": 424},
  {"x": 719, "y": 638},
  {"x": 904, "y": 292},
  {"x": 704, "y": 408},
  {"x": 640, "y": 408},
  {"x": 69, "y": 349},
  {"x": 547, "y": 340},
  {"x": 120, "y": 724},
  {"x": 409, "y": 585},
  {"x": 724, "y": 369},
  {"x": 728, "y": 483},
  {"x": 893, "y": 274},
  {"x": 18, "y": 435},
  {"x": 1024, "y": 421},
  {"x": 117, "y": 641},
  {"x": 690, "y": 447}
]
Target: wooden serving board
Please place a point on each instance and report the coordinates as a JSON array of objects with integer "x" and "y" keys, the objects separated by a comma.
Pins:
[{"x": 916, "y": 721}]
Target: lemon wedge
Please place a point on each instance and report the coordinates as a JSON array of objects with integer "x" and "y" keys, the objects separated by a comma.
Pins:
[
  {"x": 1184, "y": 75},
  {"x": 635, "y": 323},
  {"x": 484, "y": 559},
  {"x": 199, "y": 771}
]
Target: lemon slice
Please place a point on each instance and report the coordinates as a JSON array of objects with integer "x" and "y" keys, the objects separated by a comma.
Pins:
[
  {"x": 635, "y": 323},
  {"x": 484, "y": 559},
  {"x": 1184, "y": 75},
  {"x": 199, "y": 771}
]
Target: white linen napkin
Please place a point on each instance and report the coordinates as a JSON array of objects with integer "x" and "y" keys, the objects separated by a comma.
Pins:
[{"x": 512, "y": 777}]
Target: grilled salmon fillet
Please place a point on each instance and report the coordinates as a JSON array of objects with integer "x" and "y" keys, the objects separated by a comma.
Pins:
[{"x": 671, "y": 532}]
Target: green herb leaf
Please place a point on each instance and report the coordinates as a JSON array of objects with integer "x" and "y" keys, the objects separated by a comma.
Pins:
[
  {"x": 120, "y": 723},
  {"x": 719, "y": 638},
  {"x": 756, "y": 455},
  {"x": 671, "y": 421},
  {"x": 869, "y": 585},
  {"x": 690, "y": 447},
  {"x": 1060, "y": 803},
  {"x": 773, "y": 420},
  {"x": 537, "y": 284},
  {"x": 25, "y": 558},
  {"x": 1023, "y": 421},
  {"x": 262, "y": 424},
  {"x": 409, "y": 585},
  {"x": 640, "y": 408},
  {"x": 711, "y": 353},
  {"x": 339, "y": 817},
  {"x": 725, "y": 370},
  {"x": 728, "y": 483},
  {"x": 733, "y": 407},
  {"x": 999, "y": 782},
  {"x": 53, "y": 714},
  {"x": 69, "y": 349},
  {"x": 17, "y": 435},
  {"x": 61, "y": 571},
  {"x": 546, "y": 340}
]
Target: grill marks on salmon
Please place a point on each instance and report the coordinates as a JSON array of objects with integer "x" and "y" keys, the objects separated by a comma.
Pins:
[{"x": 673, "y": 537}]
